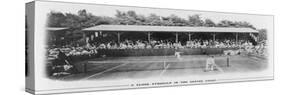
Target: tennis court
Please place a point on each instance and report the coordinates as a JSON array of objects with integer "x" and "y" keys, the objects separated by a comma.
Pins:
[{"x": 109, "y": 68}]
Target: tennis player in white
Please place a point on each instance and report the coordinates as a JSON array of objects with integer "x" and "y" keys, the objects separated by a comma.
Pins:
[
  {"x": 210, "y": 64},
  {"x": 178, "y": 55}
]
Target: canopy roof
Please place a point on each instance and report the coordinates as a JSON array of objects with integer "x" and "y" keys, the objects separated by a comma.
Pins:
[
  {"x": 143, "y": 28},
  {"x": 56, "y": 28}
]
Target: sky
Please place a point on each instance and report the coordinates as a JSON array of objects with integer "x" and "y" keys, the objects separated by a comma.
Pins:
[{"x": 259, "y": 21}]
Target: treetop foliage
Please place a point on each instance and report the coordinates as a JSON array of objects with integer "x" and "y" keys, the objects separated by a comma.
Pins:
[{"x": 84, "y": 19}]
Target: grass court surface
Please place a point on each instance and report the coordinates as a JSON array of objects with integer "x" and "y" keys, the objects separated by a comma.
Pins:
[{"x": 157, "y": 66}]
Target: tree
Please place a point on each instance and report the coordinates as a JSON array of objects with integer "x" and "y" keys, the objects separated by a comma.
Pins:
[
  {"x": 71, "y": 21},
  {"x": 177, "y": 21},
  {"x": 153, "y": 19},
  {"x": 140, "y": 20},
  {"x": 262, "y": 34},
  {"x": 126, "y": 18},
  {"x": 80, "y": 20},
  {"x": 86, "y": 19},
  {"x": 209, "y": 23},
  {"x": 55, "y": 19},
  {"x": 195, "y": 20},
  {"x": 247, "y": 24},
  {"x": 226, "y": 23},
  {"x": 167, "y": 21}
]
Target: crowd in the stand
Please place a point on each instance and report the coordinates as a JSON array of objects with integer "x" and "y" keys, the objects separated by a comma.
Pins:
[
  {"x": 91, "y": 49},
  {"x": 128, "y": 44},
  {"x": 72, "y": 51},
  {"x": 60, "y": 55}
]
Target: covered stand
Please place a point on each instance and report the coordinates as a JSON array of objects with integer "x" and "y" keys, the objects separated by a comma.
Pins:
[{"x": 171, "y": 29}]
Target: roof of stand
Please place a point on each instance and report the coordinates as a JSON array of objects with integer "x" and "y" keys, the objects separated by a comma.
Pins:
[
  {"x": 56, "y": 28},
  {"x": 143, "y": 28}
]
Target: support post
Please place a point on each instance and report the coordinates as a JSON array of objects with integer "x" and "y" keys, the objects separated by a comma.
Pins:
[
  {"x": 87, "y": 40},
  {"x": 189, "y": 36},
  {"x": 214, "y": 36},
  {"x": 148, "y": 37},
  {"x": 92, "y": 37},
  {"x": 118, "y": 37},
  {"x": 177, "y": 37},
  {"x": 236, "y": 38}
]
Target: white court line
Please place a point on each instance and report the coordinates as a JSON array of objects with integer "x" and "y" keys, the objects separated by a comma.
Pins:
[
  {"x": 143, "y": 61},
  {"x": 104, "y": 71},
  {"x": 132, "y": 61},
  {"x": 255, "y": 60}
]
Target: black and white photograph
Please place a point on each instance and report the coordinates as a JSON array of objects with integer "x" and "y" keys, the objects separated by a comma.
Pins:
[
  {"x": 127, "y": 43},
  {"x": 112, "y": 47}
]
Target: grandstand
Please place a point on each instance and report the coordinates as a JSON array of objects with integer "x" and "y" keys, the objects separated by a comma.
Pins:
[
  {"x": 148, "y": 51},
  {"x": 119, "y": 29}
]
